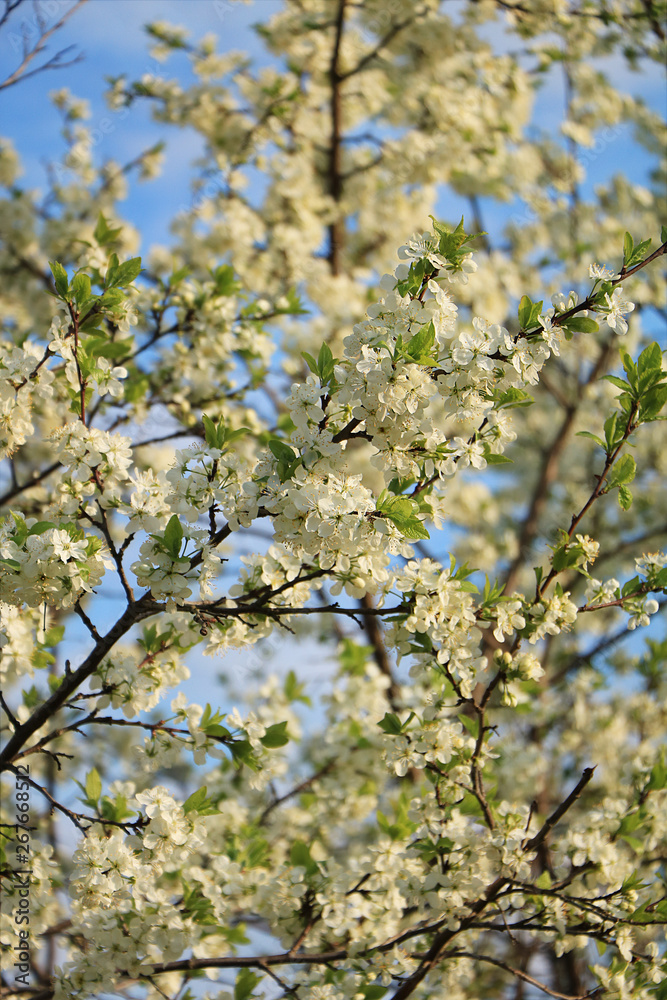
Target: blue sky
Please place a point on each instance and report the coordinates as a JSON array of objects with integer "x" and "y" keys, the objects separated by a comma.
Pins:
[{"x": 109, "y": 35}]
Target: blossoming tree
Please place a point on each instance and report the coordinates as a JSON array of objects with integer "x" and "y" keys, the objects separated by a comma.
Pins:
[{"x": 421, "y": 460}]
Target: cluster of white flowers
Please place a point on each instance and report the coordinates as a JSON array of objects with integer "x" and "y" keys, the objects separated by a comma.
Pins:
[
  {"x": 95, "y": 464},
  {"x": 434, "y": 740},
  {"x": 17, "y": 631},
  {"x": 42, "y": 563},
  {"x": 165, "y": 574},
  {"x": 24, "y": 382},
  {"x": 550, "y": 616},
  {"x": 202, "y": 477},
  {"x": 124, "y": 918},
  {"x": 137, "y": 686},
  {"x": 444, "y": 611}
]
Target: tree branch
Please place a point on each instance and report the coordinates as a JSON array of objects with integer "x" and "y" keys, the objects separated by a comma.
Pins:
[{"x": 29, "y": 54}]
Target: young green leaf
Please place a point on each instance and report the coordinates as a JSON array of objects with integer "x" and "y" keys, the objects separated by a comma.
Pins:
[
  {"x": 623, "y": 472},
  {"x": 652, "y": 403},
  {"x": 93, "y": 785},
  {"x": 391, "y": 724},
  {"x": 281, "y": 451},
  {"x": 581, "y": 324},
  {"x": 246, "y": 980},
  {"x": 60, "y": 278},
  {"x": 275, "y": 736},
  {"x": 311, "y": 362},
  {"x": 194, "y": 801},
  {"x": 421, "y": 344},
  {"x": 173, "y": 536},
  {"x": 103, "y": 233},
  {"x": 625, "y": 497}
]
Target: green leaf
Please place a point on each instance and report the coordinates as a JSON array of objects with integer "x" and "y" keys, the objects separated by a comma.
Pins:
[
  {"x": 242, "y": 753},
  {"x": 493, "y": 459},
  {"x": 529, "y": 312},
  {"x": 618, "y": 382},
  {"x": 402, "y": 511},
  {"x": 630, "y": 370},
  {"x": 638, "y": 253},
  {"x": 119, "y": 275},
  {"x": 581, "y": 324},
  {"x": 126, "y": 273},
  {"x": 275, "y": 736},
  {"x": 93, "y": 785},
  {"x": 225, "y": 282},
  {"x": 421, "y": 344},
  {"x": 293, "y": 689},
  {"x": 60, "y": 278},
  {"x": 173, "y": 536},
  {"x": 514, "y": 397},
  {"x": 658, "y": 779},
  {"x": 391, "y": 724},
  {"x": 300, "y": 857},
  {"x": 54, "y": 635},
  {"x": 472, "y": 725},
  {"x": 663, "y": 234},
  {"x": 628, "y": 247},
  {"x": 650, "y": 359},
  {"x": 635, "y": 843},
  {"x": 623, "y": 471},
  {"x": 218, "y": 731},
  {"x": 613, "y": 433},
  {"x": 282, "y": 451},
  {"x": 40, "y": 527},
  {"x": 625, "y": 497},
  {"x": 246, "y": 980},
  {"x": 413, "y": 528},
  {"x": 311, "y": 362},
  {"x": 525, "y": 310},
  {"x": 295, "y": 305},
  {"x": 102, "y": 233},
  {"x": 287, "y": 459},
  {"x": 194, "y": 801},
  {"x": 593, "y": 437},
  {"x": 81, "y": 288},
  {"x": 565, "y": 557},
  {"x": 112, "y": 298},
  {"x": 374, "y": 992},
  {"x": 652, "y": 402},
  {"x": 178, "y": 276},
  {"x": 210, "y": 431},
  {"x": 325, "y": 363}
]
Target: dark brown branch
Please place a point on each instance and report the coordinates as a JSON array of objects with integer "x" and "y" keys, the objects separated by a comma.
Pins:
[
  {"x": 72, "y": 681},
  {"x": 432, "y": 956},
  {"x": 337, "y": 226},
  {"x": 301, "y": 787},
  {"x": 37, "y": 478},
  {"x": 518, "y": 973},
  {"x": 551, "y": 821},
  {"x": 548, "y": 473},
  {"x": 374, "y": 633}
]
